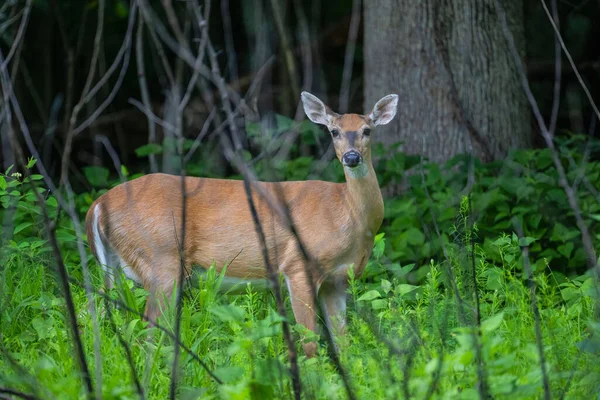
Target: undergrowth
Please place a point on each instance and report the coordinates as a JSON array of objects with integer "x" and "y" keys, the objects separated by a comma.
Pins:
[{"x": 412, "y": 319}]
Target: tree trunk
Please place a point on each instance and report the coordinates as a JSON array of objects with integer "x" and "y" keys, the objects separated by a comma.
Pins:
[{"x": 449, "y": 62}]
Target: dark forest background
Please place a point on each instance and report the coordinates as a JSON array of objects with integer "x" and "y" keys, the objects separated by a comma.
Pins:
[{"x": 58, "y": 46}]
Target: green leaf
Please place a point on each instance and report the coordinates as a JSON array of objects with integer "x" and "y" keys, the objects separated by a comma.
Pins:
[
  {"x": 593, "y": 216},
  {"x": 37, "y": 177},
  {"x": 386, "y": 286},
  {"x": 561, "y": 233},
  {"x": 22, "y": 226},
  {"x": 3, "y": 185},
  {"x": 414, "y": 236},
  {"x": 228, "y": 313},
  {"x": 52, "y": 202},
  {"x": 405, "y": 288},
  {"x": 253, "y": 129},
  {"x": 379, "y": 304},
  {"x": 566, "y": 249},
  {"x": 492, "y": 323},
  {"x": 526, "y": 241},
  {"x": 370, "y": 295},
  {"x": 379, "y": 248},
  {"x": 97, "y": 176},
  {"x": 399, "y": 271},
  {"x": 283, "y": 123},
  {"x": 148, "y": 149},
  {"x": 229, "y": 374}
]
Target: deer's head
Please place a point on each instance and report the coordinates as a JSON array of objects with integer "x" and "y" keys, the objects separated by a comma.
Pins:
[{"x": 351, "y": 133}]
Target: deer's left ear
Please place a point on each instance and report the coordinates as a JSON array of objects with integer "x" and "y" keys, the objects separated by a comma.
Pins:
[{"x": 385, "y": 110}]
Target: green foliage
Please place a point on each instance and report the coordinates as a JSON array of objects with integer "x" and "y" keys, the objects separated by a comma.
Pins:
[
  {"x": 411, "y": 323},
  {"x": 522, "y": 191}
]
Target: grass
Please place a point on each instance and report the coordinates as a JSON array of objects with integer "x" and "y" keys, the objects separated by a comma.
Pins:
[
  {"x": 412, "y": 321},
  {"x": 401, "y": 339}
]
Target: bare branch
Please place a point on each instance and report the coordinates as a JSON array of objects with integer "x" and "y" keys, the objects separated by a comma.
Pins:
[
  {"x": 349, "y": 56},
  {"x": 139, "y": 56},
  {"x": 536, "y": 312},
  {"x": 229, "y": 45},
  {"x": 19, "y": 36},
  {"x": 587, "y": 242},
  {"x": 286, "y": 47},
  {"x": 153, "y": 117},
  {"x": 568, "y": 54},
  {"x": 557, "y": 72}
]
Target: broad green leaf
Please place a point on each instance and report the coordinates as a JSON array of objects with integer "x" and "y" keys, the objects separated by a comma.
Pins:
[
  {"x": 97, "y": 176},
  {"x": 526, "y": 241},
  {"x": 386, "y": 286},
  {"x": 414, "y": 236},
  {"x": 229, "y": 374},
  {"x": 566, "y": 249},
  {"x": 148, "y": 149},
  {"x": 228, "y": 313},
  {"x": 370, "y": 295},
  {"x": 492, "y": 323},
  {"x": 22, "y": 226},
  {"x": 405, "y": 288},
  {"x": 379, "y": 249},
  {"x": 379, "y": 304}
]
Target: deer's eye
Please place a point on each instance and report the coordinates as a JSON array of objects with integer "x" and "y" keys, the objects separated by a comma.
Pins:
[
  {"x": 367, "y": 132},
  {"x": 335, "y": 133}
]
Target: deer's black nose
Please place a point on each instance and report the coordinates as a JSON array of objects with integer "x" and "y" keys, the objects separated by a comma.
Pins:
[{"x": 351, "y": 159}]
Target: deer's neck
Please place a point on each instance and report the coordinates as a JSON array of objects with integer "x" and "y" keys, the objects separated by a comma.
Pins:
[{"x": 364, "y": 197}]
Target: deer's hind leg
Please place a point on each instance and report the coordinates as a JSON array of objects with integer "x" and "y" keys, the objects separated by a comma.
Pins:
[
  {"x": 303, "y": 305},
  {"x": 159, "y": 277},
  {"x": 332, "y": 296}
]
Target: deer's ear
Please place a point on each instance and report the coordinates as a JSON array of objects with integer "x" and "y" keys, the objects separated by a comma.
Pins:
[
  {"x": 315, "y": 110},
  {"x": 385, "y": 110}
]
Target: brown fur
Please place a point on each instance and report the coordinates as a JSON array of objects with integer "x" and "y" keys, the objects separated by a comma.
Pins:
[{"x": 141, "y": 220}]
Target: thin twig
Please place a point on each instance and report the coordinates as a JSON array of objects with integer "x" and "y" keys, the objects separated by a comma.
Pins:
[
  {"x": 141, "y": 69},
  {"x": 17, "y": 393},
  {"x": 19, "y": 36},
  {"x": 349, "y": 56},
  {"x": 568, "y": 54},
  {"x": 229, "y": 45},
  {"x": 306, "y": 50},
  {"x": 535, "y": 310},
  {"x": 557, "y": 73},
  {"x": 61, "y": 270},
  {"x": 286, "y": 47},
  {"x": 154, "y": 324},
  {"x": 182, "y": 268},
  {"x": 151, "y": 116},
  {"x": 127, "y": 349},
  {"x": 272, "y": 274},
  {"x": 127, "y": 47},
  {"x": 564, "y": 183}
]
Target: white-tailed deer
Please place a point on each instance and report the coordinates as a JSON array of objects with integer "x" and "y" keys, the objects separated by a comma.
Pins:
[{"x": 136, "y": 227}]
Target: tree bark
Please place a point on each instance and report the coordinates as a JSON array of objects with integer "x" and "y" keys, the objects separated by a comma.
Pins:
[{"x": 450, "y": 64}]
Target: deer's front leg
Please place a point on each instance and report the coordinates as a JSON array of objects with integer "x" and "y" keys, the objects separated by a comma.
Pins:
[{"x": 303, "y": 305}]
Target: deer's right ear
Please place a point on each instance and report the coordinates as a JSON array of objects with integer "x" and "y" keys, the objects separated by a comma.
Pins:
[{"x": 315, "y": 110}]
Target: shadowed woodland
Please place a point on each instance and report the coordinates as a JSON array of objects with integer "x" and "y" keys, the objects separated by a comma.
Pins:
[{"x": 482, "y": 281}]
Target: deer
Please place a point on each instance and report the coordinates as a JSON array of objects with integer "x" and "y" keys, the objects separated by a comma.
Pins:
[{"x": 136, "y": 227}]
